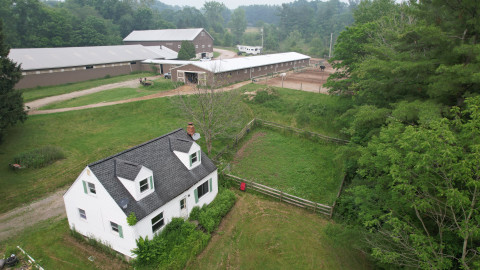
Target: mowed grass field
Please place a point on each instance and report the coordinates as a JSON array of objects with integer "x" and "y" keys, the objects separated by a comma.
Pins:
[
  {"x": 116, "y": 94},
  {"x": 260, "y": 233},
  {"x": 298, "y": 166},
  {"x": 48, "y": 91},
  {"x": 51, "y": 245},
  {"x": 85, "y": 136}
]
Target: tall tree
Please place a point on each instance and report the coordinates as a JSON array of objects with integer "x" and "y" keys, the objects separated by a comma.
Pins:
[
  {"x": 214, "y": 112},
  {"x": 11, "y": 101},
  {"x": 238, "y": 24},
  {"x": 187, "y": 51},
  {"x": 213, "y": 14}
]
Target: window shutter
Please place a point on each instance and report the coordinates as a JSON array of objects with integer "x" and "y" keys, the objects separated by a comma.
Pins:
[
  {"x": 120, "y": 231},
  {"x": 195, "y": 192},
  {"x": 151, "y": 182},
  {"x": 190, "y": 160},
  {"x": 85, "y": 187},
  {"x": 199, "y": 154},
  {"x": 210, "y": 184}
]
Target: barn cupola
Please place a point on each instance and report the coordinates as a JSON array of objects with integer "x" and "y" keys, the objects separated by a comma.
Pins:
[{"x": 137, "y": 179}]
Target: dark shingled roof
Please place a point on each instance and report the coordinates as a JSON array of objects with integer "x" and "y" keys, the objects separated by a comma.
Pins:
[
  {"x": 180, "y": 145},
  {"x": 171, "y": 177},
  {"x": 126, "y": 169}
]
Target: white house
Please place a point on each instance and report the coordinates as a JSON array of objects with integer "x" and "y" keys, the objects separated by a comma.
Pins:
[{"x": 157, "y": 181}]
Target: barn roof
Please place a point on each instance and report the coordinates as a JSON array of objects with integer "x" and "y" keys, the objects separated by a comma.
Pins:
[
  {"x": 218, "y": 66},
  {"x": 171, "y": 177},
  {"x": 165, "y": 52},
  {"x": 46, "y": 58},
  {"x": 164, "y": 35}
]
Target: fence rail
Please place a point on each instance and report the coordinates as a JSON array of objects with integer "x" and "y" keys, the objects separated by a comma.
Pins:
[
  {"x": 284, "y": 197},
  {"x": 237, "y": 138},
  {"x": 297, "y": 130}
]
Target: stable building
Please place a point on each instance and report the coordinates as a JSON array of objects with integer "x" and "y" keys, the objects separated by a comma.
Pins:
[
  {"x": 221, "y": 72},
  {"x": 53, "y": 66},
  {"x": 172, "y": 39}
]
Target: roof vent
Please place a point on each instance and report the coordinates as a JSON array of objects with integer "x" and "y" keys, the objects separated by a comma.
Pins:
[
  {"x": 196, "y": 136},
  {"x": 124, "y": 203}
]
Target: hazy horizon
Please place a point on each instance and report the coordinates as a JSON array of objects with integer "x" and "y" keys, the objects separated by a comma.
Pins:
[{"x": 231, "y": 4}]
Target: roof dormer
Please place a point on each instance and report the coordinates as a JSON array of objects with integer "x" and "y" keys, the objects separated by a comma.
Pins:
[
  {"x": 187, "y": 151},
  {"x": 137, "y": 179}
]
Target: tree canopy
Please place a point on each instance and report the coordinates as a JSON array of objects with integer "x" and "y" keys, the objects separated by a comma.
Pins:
[{"x": 11, "y": 101}]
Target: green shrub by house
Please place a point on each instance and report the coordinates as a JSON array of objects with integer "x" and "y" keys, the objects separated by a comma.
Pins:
[
  {"x": 210, "y": 216},
  {"x": 172, "y": 248}
]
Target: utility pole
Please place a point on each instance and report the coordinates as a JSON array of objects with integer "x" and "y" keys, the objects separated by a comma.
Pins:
[
  {"x": 262, "y": 37},
  {"x": 330, "y": 51}
]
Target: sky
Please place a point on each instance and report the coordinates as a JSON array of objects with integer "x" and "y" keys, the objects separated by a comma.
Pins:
[{"x": 231, "y": 4}]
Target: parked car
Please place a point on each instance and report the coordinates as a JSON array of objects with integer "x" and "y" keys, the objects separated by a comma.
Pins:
[{"x": 167, "y": 75}]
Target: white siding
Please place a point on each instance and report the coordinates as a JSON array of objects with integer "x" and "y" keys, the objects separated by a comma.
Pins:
[{"x": 100, "y": 209}]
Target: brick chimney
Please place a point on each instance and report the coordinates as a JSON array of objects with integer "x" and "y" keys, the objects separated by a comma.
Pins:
[{"x": 190, "y": 129}]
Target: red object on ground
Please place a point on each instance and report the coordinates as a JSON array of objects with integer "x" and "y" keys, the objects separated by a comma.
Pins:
[{"x": 243, "y": 186}]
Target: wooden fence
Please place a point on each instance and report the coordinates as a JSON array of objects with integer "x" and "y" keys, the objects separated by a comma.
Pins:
[
  {"x": 284, "y": 197},
  {"x": 237, "y": 138},
  {"x": 301, "y": 131}
]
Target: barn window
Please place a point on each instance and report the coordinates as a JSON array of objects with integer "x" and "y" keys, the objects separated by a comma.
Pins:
[
  {"x": 259, "y": 68},
  {"x": 157, "y": 222},
  {"x": 88, "y": 67},
  {"x": 246, "y": 70},
  {"x": 202, "y": 34},
  {"x": 196, "y": 46},
  {"x": 209, "y": 45},
  {"x": 203, "y": 46},
  {"x": 179, "y": 46},
  {"x": 133, "y": 62}
]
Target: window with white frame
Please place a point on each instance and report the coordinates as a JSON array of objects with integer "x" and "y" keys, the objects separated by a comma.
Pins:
[
  {"x": 196, "y": 46},
  {"x": 209, "y": 45},
  {"x": 203, "y": 46},
  {"x": 82, "y": 214},
  {"x": 179, "y": 46},
  {"x": 89, "y": 188},
  {"x": 193, "y": 158},
  {"x": 116, "y": 229},
  {"x": 202, "y": 34},
  {"x": 157, "y": 222},
  {"x": 143, "y": 185}
]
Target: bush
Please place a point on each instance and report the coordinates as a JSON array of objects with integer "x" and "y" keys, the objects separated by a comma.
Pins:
[
  {"x": 132, "y": 219},
  {"x": 40, "y": 157},
  {"x": 172, "y": 248},
  {"x": 195, "y": 214},
  {"x": 211, "y": 215},
  {"x": 265, "y": 95}
]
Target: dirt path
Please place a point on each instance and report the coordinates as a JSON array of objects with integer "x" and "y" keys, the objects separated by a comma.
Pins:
[
  {"x": 20, "y": 218},
  {"x": 183, "y": 90},
  {"x": 225, "y": 54},
  {"x": 34, "y": 105}
]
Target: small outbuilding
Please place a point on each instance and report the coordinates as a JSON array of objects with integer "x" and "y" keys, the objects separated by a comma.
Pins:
[
  {"x": 172, "y": 39},
  {"x": 154, "y": 181}
]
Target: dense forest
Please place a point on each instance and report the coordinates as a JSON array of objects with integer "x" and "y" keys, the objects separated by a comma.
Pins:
[
  {"x": 298, "y": 26},
  {"x": 414, "y": 166}
]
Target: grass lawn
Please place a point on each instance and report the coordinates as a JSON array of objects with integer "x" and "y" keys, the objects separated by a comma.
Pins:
[
  {"x": 306, "y": 110},
  {"x": 291, "y": 164},
  {"x": 114, "y": 95},
  {"x": 48, "y": 91},
  {"x": 260, "y": 233},
  {"x": 52, "y": 246},
  {"x": 85, "y": 136}
]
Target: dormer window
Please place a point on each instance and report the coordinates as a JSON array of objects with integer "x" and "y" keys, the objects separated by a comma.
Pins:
[
  {"x": 143, "y": 185},
  {"x": 194, "y": 158}
]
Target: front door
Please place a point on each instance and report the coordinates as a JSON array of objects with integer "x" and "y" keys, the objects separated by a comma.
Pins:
[{"x": 183, "y": 207}]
